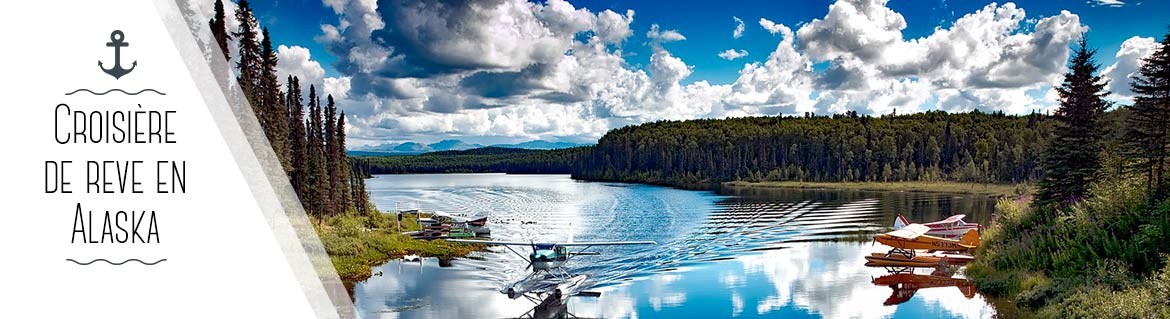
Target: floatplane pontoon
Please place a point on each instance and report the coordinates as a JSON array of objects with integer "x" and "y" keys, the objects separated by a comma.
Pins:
[{"x": 548, "y": 278}]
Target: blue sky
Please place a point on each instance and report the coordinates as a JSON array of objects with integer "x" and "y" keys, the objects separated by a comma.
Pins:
[{"x": 402, "y": 75}]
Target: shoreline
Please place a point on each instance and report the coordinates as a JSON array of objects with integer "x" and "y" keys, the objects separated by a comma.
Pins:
[
  {"x": 357, "y": 243},
  {"x": 995, "y": 190}
]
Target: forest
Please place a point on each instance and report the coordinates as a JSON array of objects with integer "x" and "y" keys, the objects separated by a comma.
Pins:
[
  {"x": 698, "y": 154},
  {"x": 308, "y": 140}
]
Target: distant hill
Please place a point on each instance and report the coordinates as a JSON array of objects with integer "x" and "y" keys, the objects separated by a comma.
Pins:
[
  {"x": 414, "y": 148},
  {"x": 540, "y": 145}
]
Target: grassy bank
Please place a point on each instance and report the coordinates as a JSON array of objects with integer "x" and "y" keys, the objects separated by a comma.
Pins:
[
  {"x": 1105, "y": 256},
  {"x": 356, "y": 243},
  {"x": 935, "y": 187}
]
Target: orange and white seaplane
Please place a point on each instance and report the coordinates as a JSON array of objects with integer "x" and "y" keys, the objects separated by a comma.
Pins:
[{"x": 911, "y": 238}]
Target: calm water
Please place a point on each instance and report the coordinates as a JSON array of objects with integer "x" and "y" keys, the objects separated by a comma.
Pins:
[{"x": 731, "y": 253}]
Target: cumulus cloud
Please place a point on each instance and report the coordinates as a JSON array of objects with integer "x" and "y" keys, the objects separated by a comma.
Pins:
[
  {"x": 738, "y": 32},
  {"x": 773, "y": 27},
  {"x": 551, "y": 70},
  {"x": 732, "y": 54},
  {"x": 657, "y": 36},
  {"x": 1129, "y": 59},
  {"x": 297, "y": 61}
]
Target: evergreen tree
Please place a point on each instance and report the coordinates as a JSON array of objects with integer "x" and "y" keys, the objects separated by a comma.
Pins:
[
  {"x": 1072, "y": 155},
  {"x": 344, "y": 195},
  {"x": 1149, "y": 122},
  {"x": 316, "y": 165},
  {"x": 218, "y": 25},
  {"x": 275, "y": 116},
  {"x": 319, "y": 187},
  {"x": 250, "y": 64},
  {"x": 296, "y": 136},
  {"x": 331, "y": 164}
]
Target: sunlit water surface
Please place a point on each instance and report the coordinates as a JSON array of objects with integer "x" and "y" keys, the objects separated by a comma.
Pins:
[{"x": 730, "y": 253}]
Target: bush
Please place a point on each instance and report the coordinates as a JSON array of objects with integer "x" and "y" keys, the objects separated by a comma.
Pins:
[{"x": 1099, "y": 257}]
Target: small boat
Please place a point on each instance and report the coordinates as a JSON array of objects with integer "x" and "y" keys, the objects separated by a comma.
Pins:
[
  {"x": 913, "y": 237},
  {"x": 411, "y": 258},
  {"x": 952, "y": 227}
]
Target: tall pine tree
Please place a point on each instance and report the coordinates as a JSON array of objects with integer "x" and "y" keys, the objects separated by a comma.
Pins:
[
  {"x": 1149, "y": 122},
  {"x": 296, "y": 135},
  {"x": 1072, "y": 156},
  {"x": 250, "y": 63},
  {"x": 218, "y": 25},
  {"x": 274, "y": 119},
  {"x": 330, "y": 130},
  {"x": 341, "y": 176}
]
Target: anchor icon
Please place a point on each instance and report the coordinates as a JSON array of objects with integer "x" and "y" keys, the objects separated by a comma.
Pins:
[{"x": 116, "y": 42}]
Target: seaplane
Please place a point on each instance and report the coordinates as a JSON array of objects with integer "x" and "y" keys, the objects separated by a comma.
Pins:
[
  {"x": 548, "y": 278},
  {"x": 905, "y": 243},
  {"x": 952, "y": 227}
]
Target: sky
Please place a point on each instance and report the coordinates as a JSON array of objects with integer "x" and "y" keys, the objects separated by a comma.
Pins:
[{"x": 506, "y": 71}]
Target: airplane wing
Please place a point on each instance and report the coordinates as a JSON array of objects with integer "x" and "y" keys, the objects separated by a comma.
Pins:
[
  {"x": 911, "y": 231},
  {"x": 609, "y": 243},
  {"x": 489, "y": 242},
  {"x": 521, "y": 243},
  {"x": 951, "y": 219}
]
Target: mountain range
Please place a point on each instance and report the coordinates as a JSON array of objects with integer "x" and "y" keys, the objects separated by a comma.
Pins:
[{"x": 410, "y": 148}]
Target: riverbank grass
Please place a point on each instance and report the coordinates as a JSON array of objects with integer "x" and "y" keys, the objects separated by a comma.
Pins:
[
  {"x": 356, "y": 243},
  {"x": 1102, "y": 257},
  {"x": 999, "y": 190}
]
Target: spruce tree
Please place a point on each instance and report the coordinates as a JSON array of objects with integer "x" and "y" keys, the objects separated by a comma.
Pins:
[
  {"x": 218, "y": 25},
  {"x": 1149, "y": 122},
  {"x": 315, "y": 164},
  {"x": 341, "y": 180},
  {"x": 1072, "y": 155},
  {"x": 331, "y": 164},
  {"x": 274, "y": 121},
  {"x": 319, "y": 185},
  {"x": 250, "y": 63},
  {"x": 296, "y": 135}
]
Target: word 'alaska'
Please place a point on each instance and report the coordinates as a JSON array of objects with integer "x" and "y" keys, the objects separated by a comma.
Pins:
[{"x": 116, "y": 227}]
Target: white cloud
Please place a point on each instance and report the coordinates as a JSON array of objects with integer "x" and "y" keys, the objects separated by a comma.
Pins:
[
  {"x": 657, "y": 36},
  {"x": 518, "y": 69},
  {"x": 738, "y": 32},
  {"x": 773, "y": 27},
  {"x": 1129, "y": 59},
  {"x": 298, "y": 62},
  {"x": 1110, "y": 3},
  {"x": 337, "y": 86},
  {"x": 732, "y": 54}
]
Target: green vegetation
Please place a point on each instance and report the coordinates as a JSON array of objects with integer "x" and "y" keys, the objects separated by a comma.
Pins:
[
  {"x": 1103, "y": 256},
  {"x": 480, "y": 160},
  {"x": 309, "y": 143},
  {"x": 998, "y": 190},
  {"x": 700, "y": 154},
  {"x": 1095, "y": 244},
  {"x": 356, "y": 243}
]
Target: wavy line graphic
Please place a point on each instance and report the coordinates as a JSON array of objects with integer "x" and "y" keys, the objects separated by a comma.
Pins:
[
  {"x": 116, "y": 90},
  {"x": 116, "y": 263}
]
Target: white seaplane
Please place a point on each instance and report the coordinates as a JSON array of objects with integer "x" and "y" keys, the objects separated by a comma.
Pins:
[
  {"x": 952, "y": 228},
  {"x": 549, "y": 279}
]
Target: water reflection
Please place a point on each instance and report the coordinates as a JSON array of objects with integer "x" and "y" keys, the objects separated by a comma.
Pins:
[{"x": 733, "y": 253}]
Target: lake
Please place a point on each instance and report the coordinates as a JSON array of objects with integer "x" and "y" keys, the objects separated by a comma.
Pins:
[{"x": 742, "y": 253}]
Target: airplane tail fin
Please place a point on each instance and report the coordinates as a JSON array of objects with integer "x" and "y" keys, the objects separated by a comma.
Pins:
[
  {"x": 971, "y": 238},
  {"x": 900, "y": 222}
]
